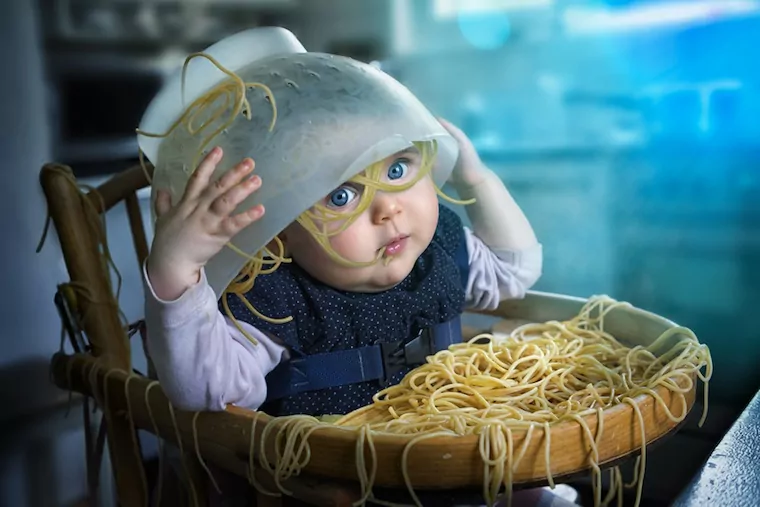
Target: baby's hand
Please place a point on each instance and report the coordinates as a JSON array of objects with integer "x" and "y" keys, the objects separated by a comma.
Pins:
[
  {"x": 469, "y": 169},
  {"x": 189, "y": 233}
]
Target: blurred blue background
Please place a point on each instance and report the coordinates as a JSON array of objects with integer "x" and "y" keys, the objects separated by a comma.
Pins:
[{"x": 629, "y": 132}]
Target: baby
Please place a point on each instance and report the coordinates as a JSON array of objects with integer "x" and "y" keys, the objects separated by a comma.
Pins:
[
  {"x": 377, "y": 271},
  {"x": 205, "y": 361}
]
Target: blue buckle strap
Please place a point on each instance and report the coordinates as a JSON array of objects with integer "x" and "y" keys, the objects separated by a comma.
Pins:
[{"x": 380, "y": 362}]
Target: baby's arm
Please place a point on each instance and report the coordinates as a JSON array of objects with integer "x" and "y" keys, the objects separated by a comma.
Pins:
[
  {"x": 203, "y": 361},
  {"x": 505, "y": 256},
  {"x": 499, "y": 274}
]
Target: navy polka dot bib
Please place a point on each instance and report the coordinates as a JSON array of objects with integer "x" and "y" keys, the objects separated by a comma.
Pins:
[{"x": 326, "y": 319}]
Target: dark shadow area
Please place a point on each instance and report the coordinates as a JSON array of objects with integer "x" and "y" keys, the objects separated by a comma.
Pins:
[{"x": 27, "y": 391}]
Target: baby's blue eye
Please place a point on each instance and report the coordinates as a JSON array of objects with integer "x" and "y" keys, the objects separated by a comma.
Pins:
[
  {"x": 341, "y": 197},
  {"x": 397, "y": 170}
]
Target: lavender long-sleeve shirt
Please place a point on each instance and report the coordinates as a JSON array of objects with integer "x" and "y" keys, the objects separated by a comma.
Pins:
[{"x": 204, "y": 362}]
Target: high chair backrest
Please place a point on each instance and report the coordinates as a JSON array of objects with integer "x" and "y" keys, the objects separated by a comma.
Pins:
[{"x": 77, "y": 215}]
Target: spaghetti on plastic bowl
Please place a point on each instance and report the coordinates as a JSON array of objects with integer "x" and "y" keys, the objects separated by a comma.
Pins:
[{"x": 551, "y": 399}]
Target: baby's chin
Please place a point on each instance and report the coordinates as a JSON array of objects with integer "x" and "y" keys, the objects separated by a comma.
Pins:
[
  {"x": 389, "y": 274},
  {"x": 379, "y": 278}
]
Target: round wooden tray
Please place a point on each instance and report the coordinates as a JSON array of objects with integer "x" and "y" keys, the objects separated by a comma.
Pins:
[{"x": 450, "y": 462}]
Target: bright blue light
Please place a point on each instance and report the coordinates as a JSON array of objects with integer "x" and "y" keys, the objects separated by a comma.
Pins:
[{"x": 485, "y": 31}]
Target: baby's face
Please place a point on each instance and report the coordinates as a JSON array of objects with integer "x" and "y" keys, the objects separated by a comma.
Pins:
[{"x": 397, "y": 225}]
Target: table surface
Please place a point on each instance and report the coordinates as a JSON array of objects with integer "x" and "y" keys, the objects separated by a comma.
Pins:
[{"x": 731, "y": 475}]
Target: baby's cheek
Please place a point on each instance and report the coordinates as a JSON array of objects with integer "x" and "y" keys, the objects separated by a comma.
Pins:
[{"x": 348, "y": 245}]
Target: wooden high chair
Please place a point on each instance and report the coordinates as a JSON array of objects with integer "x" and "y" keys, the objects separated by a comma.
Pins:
[{"x": 100, "y": 367}]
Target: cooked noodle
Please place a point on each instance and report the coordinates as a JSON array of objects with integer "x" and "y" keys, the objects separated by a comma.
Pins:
[{"x": 541, "y": 375}]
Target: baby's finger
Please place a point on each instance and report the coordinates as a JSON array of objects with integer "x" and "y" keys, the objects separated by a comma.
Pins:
[
  {"x": 163, "y": 203},
  {"x": 226, "y": 203},
  {"x": 228, "y": 180},
  {"x": 455, "y": 131},
  {"x": 465, "y": 144},
  {"x": 236, "y": 223},
  {"x": 199, "y": 180}
]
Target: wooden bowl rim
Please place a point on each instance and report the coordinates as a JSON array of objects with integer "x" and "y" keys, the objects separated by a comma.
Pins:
[{"x": 349, "y": 433}]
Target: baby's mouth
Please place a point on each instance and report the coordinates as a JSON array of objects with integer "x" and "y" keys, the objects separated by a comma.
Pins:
[{"x": 396, "y": 245}]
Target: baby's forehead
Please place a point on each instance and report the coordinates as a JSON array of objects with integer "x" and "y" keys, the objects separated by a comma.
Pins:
[
  {"x": 412, "y": 150},
  {"x": 406, "y": 152}
]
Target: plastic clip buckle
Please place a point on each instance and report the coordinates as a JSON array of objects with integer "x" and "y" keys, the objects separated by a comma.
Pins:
[{"x": 399, "y": 355}]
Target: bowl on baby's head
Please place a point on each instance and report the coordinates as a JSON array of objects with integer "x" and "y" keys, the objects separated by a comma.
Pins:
[{"x": 310, "y": 121}]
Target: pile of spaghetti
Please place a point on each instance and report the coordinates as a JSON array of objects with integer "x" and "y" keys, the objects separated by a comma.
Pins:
[{"x": 539, "y": 376}]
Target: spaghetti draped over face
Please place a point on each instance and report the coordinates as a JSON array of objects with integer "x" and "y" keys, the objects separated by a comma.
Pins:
[{"x": 310, "y": 121}]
